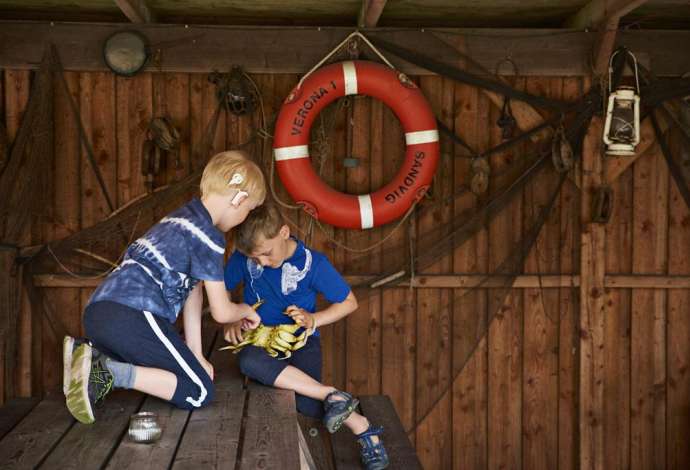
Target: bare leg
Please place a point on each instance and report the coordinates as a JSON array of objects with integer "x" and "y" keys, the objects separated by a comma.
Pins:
[
  {"x": 291, "y": 378},
  {"x": 157, "y": 382}
]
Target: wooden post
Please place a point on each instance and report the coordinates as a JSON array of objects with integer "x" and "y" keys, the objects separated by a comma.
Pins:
[
  {"x": 592, "y": 268},
  {"x": 137, "y": 11},
  {"x": 9, "y": 288},
  {"x": 370, "y": 12}
]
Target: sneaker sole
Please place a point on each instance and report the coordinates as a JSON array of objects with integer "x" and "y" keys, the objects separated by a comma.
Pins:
[
  {"x": 67, "y": 348},
  {"x": 336, "y": 422},
  {"x": 379, "y": 466},
  {"x": 77, "y": 400}
]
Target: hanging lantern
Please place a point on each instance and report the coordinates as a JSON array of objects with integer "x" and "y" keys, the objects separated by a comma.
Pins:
[{"x": 622, "y": 128}]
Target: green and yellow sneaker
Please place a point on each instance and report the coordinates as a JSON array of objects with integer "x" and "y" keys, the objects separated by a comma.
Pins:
[
  {"x": 91, "y": 381},
  {"x": 69, "y": 345}
]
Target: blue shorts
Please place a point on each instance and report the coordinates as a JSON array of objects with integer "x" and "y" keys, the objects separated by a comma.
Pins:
[
  {"x": 256, "y": 364},
  {"x": 144, "y": 339}
]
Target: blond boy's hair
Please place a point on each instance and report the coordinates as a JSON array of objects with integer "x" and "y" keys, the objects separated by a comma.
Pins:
[
  {"x": 264, "y": 221},
  {"x": 225, "y": 166}
]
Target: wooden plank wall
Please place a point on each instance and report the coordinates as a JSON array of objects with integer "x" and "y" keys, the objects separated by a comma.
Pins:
[{"x": 515, "y": 403}]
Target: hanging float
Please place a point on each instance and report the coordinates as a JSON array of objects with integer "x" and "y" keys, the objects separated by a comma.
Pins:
[{"x": 291, "y": 144}]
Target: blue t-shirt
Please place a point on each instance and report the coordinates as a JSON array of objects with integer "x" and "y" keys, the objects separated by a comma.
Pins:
[
  {"x": 160, "y": 269},
  {"x": 296, "y": 282}
]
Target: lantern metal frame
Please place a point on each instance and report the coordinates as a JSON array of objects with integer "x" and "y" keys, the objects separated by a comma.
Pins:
[{"x": 628, "y": 94}]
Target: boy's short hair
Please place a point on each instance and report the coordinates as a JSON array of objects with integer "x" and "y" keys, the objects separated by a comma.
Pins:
[
  {"x": 223, "y": 166},
  {"x": 263, "y": 221}
]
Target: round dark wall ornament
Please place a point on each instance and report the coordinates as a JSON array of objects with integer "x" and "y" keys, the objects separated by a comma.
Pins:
[{"x": 126, "y": 52}]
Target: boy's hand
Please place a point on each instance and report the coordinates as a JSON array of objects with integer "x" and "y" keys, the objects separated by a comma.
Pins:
[
  {"x": 301, "y": 316},
  {"x": 208, "y": 367},
  {"x": 251, "y": 321},
  {"x": 232, "y": 332},
  {"x": 244, "y": 311}
]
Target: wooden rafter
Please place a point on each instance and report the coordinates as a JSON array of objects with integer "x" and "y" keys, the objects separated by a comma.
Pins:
[
  {"x": 370, "y": 13},
  {"x": 603, "y": 16},
  {"x": 594, "y": 14},
  {"x": 136, "y": 10}
]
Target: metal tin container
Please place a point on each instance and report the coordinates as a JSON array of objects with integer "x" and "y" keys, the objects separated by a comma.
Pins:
[{"x": 144, "y": 427}]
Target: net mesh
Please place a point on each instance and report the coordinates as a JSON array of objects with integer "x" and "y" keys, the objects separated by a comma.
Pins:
[{"x": 94, "y": 250}]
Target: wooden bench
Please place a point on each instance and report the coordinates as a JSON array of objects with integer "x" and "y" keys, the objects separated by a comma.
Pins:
[{"x": 245, "y": 427}]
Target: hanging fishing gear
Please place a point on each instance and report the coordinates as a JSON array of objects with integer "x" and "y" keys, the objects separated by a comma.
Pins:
[
  {"x": 506, "y": 121},
  {"x": 234, "y": 91},
  {"x": 162, "y": 136},
  {"x": 561, "y": 151},
  {"x": 481, "y": 171},
  {"x": 602, "y": 205}
]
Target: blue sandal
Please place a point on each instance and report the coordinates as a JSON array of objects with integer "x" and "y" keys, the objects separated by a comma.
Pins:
[
  {"x": 373, "y": 455},
  {"x": 337, "y": 411}
]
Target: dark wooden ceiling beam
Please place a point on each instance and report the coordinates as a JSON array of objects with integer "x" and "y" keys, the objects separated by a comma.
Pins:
[
  {"x": 136, "y": 10},
  {"x": 297, "y": 49},
  {"x": 370, "y": 13}
]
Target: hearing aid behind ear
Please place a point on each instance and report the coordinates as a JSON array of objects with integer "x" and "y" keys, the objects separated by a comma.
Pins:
[
  {"x": 236, "y": 179},
  {"x": 239, "y": 197}
]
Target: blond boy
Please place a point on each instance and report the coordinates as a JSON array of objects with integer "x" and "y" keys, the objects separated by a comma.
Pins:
[{"x": 129, "y": 321}]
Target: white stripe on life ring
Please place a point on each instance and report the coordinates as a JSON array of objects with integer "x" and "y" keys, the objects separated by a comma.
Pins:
[
  {"x": 350, "y": 76},
  {"x": 366, "y": 211},
  {"x": 421, "y": 137},
  {"x": 291, "y": 153}
]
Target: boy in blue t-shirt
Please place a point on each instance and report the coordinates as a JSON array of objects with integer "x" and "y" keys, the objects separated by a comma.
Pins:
[
  {"x": 287, "y": 276},
  {"x": 129, "y": 320}
]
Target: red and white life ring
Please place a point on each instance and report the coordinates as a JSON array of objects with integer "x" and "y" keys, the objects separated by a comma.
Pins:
[{"x": 291, "y": 144}]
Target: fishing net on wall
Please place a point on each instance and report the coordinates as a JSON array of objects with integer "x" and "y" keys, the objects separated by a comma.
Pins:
[
  {"x": 90, "y": 251},
  {"x": 27, "y": 174}
]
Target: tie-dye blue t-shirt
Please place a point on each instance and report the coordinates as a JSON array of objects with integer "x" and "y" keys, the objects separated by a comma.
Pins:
[
  {"x": 160, "y": 269},
  {"x": 296, "y": 282}
]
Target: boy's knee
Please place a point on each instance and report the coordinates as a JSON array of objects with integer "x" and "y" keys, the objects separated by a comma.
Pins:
[
  {"x": 257, "y": 365},
  {"x": 210, "y": 395},
  {"x": 250, "y": 365},
  {"x": 190, "y": 395}
]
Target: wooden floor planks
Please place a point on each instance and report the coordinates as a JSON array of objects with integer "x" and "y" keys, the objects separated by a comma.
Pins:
[
  {"x": 245, "y": 427},
  {"x": 13, "y": 412},
  {"x": 35, "y": 436},
  {"x": 270, "y": 434}
]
